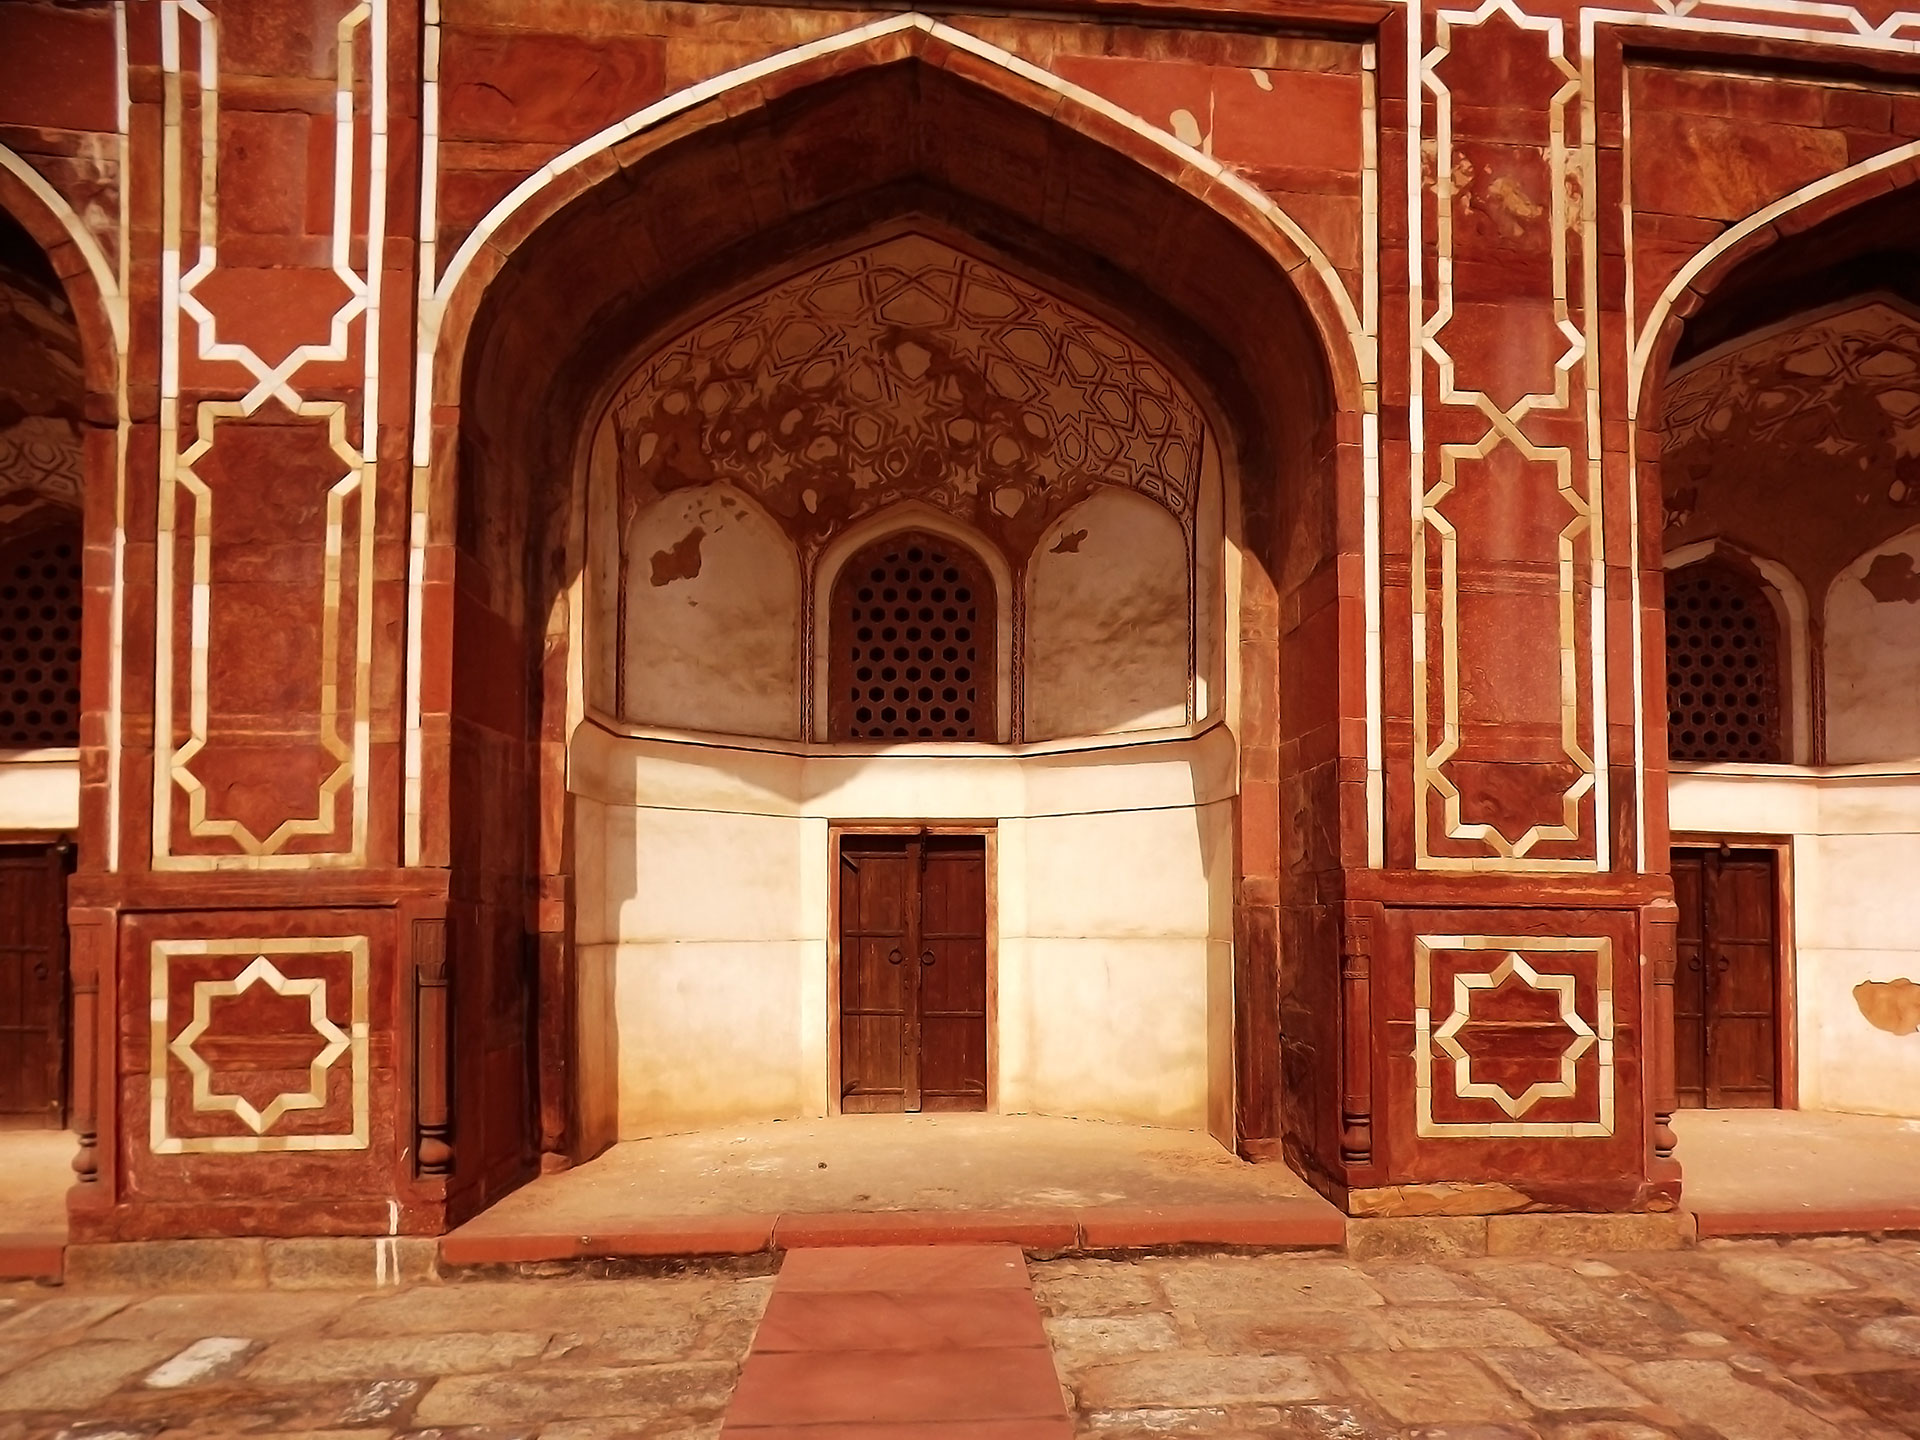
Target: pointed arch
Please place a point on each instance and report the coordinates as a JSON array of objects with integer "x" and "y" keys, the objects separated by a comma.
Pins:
[
  {"x": 453, "y": 300},
  {"x": 1695, "y": 281},
  {"x": 99, "y": 308}
]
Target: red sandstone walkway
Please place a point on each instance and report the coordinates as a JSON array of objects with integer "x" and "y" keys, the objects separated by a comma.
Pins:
[{"x": 900, "y": 1343}]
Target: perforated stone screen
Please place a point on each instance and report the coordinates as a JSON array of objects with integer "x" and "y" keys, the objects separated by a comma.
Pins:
[
  {"x": 1723, "y": 667},
  {"x": 912, "y": 654},
  {"x": 40, "y": 640}
]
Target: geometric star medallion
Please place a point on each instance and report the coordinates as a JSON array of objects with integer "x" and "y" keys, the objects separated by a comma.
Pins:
[
  {"x": 261, "y": 972},
  {"x": 1580, "y": 1037}
]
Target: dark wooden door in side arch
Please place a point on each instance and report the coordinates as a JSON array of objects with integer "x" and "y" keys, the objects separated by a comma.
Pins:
[
  {"x": 33, "y": 986},
  {"x": 913, "y": 973},
  {"x": 1726, "y": 1024}
]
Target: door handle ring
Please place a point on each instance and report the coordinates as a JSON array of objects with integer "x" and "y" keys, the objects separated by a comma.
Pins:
[
  {"x": 896, "y": 958},
  {"x": 926, "y": 957}
]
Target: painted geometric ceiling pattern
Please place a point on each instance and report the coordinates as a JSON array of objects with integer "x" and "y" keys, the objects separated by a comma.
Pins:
[
  {"x": 1847, "y": 383},
  {"x": 40, "y": 399},
  {"x": 909, "y": 370}
]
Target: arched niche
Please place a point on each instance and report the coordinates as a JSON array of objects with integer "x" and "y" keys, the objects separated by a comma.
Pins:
[
  {"x": 1872, "y": 653},
  {"x": 605, "y": 283},
  {"x": 902, "y": 381},
  {"x": 913, "y": 515},
  {"x": 710, "y": 617},
  {"x": 1109, "y": 620},
  {"x": 911, "y": 651},
  {"x": 42, "y": 389},
  {"x": 1787, "y": 599},
  {"x": 1725, "y": 677}
]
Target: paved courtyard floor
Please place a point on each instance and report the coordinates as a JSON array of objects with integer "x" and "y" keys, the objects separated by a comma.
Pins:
[{"x": 1741, "y": 1340}]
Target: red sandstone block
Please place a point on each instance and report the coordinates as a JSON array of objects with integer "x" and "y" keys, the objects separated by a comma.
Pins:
[
  {"x": 868, "y": 1386},
  {"x": 1863, "y": 1220},
  {"x": 905, "y": 1267},
  {"x": 60, "y": 71},
  {"x": 691, "y": 1235},
  {"x": 1152, "y": 89},
  {"x": 525, "y": 86},
  {"x": 1037, "y": 1228},
  {"x": 1302, "y": 119},
  {"x": 1291, "y": 1224},
  {"x": 33, "y": 1255},
  {"x": 899, "y": 1320}
]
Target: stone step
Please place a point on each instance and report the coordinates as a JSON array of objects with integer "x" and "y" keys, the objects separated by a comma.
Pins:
[{"x": 926, "y": 1342}]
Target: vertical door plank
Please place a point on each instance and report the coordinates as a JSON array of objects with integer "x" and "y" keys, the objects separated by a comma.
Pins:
[
  {"x": 1742, "y": 981},
  {"x": 910, "y": 974},
  {"x": 876, "y": 897},
  {"x": 953, "y": 974}
]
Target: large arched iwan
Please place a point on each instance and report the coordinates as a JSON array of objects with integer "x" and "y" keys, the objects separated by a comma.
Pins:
[{"x": 674, "y": 234}]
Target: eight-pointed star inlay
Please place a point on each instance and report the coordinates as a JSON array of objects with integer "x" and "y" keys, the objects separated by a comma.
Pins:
[
  {"x": 1581, "y": 1036},
  {"x": 261, "y": 971}
]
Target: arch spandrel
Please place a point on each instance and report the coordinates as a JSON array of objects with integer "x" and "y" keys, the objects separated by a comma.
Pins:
[{"x": 909, "y": 370}]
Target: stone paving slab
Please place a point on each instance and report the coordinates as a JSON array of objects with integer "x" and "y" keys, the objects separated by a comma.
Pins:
[
  {"x": 1732, "y": 1340},
  {"x": 638, "y": 1359},
  {"x": 1749, "y": 1340}
]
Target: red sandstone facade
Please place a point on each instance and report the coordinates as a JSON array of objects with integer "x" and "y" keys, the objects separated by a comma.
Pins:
[{"x": 347, "y": 278}]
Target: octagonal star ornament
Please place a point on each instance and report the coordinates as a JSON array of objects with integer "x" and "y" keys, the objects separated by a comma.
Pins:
[
  {"x": 261, "y": 971},
  {"x": 1581, "y": 1037}
]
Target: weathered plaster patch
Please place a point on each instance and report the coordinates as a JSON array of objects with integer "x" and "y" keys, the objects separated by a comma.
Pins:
[
  {"x": 1891, "y": 577},
  {"x": 680, "y": 560},
  {"x": 1889, "y": 1005}
]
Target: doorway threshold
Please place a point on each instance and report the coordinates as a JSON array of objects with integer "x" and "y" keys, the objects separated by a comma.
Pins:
[
  {"x": 1046, "y": 1184},
  {"x": 1799, "y": 1172}
]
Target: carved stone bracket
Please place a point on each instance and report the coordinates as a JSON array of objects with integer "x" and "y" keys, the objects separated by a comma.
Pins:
[{"x": 432, "y": 1076}]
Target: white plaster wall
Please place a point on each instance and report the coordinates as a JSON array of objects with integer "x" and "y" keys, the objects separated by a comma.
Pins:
[
  {"x": 716, "y": 926},
  {"x": 39, "y": 790},
  {"x": 1856, "y": 910},
  {"x": 703, "y": 869},
  {"x": 716, "y": 649},
  {"x": 1108, "y": 620},
  {"x": 1873, "y": 657},
  {"x": 1109, "y": 935}
]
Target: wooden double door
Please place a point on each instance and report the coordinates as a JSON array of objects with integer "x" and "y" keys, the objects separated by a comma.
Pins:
[
  {"x": 1726, "y": 1021},
  {"x": 33, "y": 986},
  {"x": 913, "y": 972}
]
